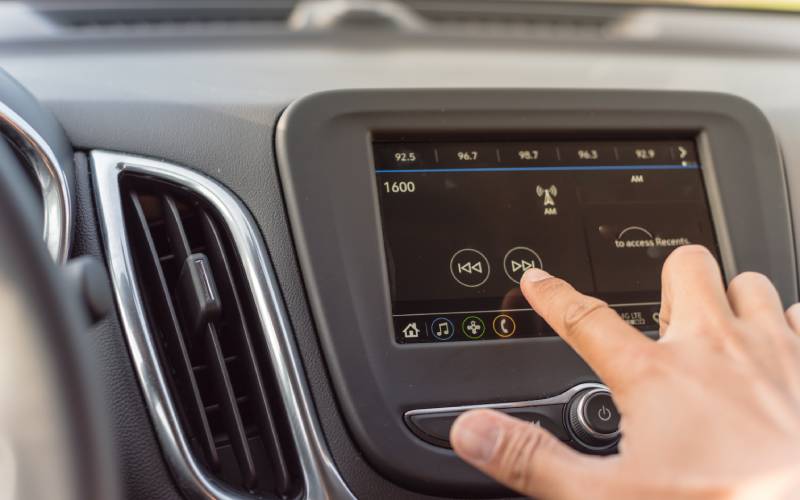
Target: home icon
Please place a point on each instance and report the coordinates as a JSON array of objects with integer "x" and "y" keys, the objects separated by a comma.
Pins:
[{"x": 411, "y": 331}]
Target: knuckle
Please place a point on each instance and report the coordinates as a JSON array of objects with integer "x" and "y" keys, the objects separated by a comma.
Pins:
[
  {"x": 518, "y": 454},
  {"x": 711, "y": 330},
  {"x": 655, "y": 364},
  {"x": 715, "y": 324},
  {"x": 579, "y": 313},
  {"x": 648, "y": 363}
]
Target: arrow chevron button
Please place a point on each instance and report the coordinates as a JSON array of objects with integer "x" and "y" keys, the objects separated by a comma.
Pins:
[
  {"x": 521, "y": 265},
  {"x": 518, "y": 260},
  {"x": 469, "y": 267}
]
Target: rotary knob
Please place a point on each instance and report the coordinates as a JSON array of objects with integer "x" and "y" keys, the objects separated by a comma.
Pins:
[{"x": 594, "y": 419}]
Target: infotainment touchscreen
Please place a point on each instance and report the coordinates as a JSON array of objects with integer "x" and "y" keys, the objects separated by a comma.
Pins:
[{"x": 463, "y": 220}]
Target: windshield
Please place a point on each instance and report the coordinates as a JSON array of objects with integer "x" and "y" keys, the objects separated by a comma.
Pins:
[
  {"x": 779, "y": 5},
  {"x": 772, "y": 5}
]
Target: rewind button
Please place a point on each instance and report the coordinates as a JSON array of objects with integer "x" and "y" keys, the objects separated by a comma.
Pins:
[{"x": 469, "y": 267}]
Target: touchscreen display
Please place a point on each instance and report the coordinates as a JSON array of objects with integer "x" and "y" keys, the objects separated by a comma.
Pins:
[{"x": 462, "y": 221}]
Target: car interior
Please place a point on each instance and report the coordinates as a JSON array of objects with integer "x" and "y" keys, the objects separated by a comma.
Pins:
[{"x": 272, "y": 248}]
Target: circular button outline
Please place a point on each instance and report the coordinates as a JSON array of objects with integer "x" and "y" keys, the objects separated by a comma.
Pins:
[
  {"x": 513, "y": 326},
  {"x": 505, "y": 257},
  {"x": 464, "y": 329},
  {"x": 575, "y": 420},
  {"x": 485, "y": 260},
  {"x": 452, "y": 329},
  {"x": 584, "y": 419},
  {"x": 587, "y": 400}
]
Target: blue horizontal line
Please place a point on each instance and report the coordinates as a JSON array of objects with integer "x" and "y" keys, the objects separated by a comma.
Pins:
[{"x": 689, "y": 166}]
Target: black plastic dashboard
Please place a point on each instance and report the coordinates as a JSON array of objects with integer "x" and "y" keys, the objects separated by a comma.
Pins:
[
  {"x": 138, "y": 98},
  {"x": 333, "y": 200}
]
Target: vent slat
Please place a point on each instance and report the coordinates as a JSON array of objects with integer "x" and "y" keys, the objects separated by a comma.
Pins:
[
  {"x": 234, "y": 313},
  {"x": 208, "y": 329},
  {"x": 178, "y": 241},
  {"x": 170, "y": 328},
  {"x": 181, "y": 249},
  {"x": 230, "y": 409}
]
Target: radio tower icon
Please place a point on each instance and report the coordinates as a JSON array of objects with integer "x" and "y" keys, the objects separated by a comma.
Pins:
[{"x": 549, "y": 195}]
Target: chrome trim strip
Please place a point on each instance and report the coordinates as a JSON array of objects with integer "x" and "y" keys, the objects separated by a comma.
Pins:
[
  {"x": 52, "y": 181},
  {"x": 321, "y": 479},
  {"x": 562, "y": 398}
]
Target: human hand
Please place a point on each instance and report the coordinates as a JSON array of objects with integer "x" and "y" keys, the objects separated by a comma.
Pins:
[{"x": 710, "y": 410}]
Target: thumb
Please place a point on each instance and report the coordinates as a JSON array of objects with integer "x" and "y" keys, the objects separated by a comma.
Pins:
[{"x": 527, "y": 458}]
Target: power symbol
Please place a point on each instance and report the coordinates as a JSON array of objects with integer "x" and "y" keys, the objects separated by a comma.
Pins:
[{"x": 604, "y": 414}]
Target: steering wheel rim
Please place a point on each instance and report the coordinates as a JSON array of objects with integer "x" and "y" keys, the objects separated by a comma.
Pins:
[{"x": 54, "y": 441}]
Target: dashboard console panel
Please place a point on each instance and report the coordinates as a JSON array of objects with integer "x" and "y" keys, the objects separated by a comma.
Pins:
[{"x": 415, "y": 212}]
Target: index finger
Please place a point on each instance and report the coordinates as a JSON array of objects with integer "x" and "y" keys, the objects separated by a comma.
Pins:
[
  {"x": 597, "y": 333},
  {"x": 692, "y": 288}
]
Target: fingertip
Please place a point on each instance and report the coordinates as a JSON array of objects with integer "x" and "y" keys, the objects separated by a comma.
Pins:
[
  {"x": 691, "y": 249},
  {"x": 534, "y": 275},
  {"x": 692, "y": 285},
  {"x": 524, "y": 457},
  {"x": 681, "y": 253},
  {"x": 536, "y": 284},
  {"x": 474, "y": 435}
]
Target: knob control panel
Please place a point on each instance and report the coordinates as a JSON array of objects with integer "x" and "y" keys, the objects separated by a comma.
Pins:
[
  {"x": 593, "y": 419},
  {"x": 584, "y": 417}
]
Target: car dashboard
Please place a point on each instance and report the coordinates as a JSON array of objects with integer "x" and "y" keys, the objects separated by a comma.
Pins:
[{"x": 314, "y": 235}]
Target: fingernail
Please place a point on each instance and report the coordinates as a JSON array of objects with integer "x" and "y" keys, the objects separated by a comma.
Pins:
[
  {"x": 475, "y": 436},
  {"x": 535, "y": 274}
]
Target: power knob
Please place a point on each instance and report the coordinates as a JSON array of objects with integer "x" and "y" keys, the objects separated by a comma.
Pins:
[{"x": 594, "y": 419}]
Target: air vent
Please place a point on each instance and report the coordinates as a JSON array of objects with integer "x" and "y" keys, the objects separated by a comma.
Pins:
[
  {"x": 168, "y": 13},
  {"x": 514, "y": 17},
  {"x": 202, "y": 315}
]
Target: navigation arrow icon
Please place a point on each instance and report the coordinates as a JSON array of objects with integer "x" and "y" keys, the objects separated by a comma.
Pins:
[
  {"x": 682, "y": 152},
  {"x": 470, "y": 267},
  {"x": 521, "y": 265}
]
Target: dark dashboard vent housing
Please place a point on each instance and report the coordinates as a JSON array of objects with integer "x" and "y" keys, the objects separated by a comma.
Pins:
[
  {"x": 514, "y": 17},
  {"x": 144, "y": 14},
  {"x": 201, "y": 312}
]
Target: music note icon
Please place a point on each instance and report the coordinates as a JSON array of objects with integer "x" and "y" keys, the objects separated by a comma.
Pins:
[{"x": 442, "y": 329}]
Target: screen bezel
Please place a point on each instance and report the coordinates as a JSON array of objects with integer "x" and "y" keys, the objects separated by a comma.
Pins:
[{"x": 324, "y": 145}]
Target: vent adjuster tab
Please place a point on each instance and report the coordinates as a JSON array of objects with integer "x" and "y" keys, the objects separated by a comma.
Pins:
[{"x": 198, "y": 291}]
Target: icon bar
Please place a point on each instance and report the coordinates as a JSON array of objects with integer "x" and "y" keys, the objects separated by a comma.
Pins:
[
  {"x": 411, "y": 156},
  {"x": 501, "y": 324}
]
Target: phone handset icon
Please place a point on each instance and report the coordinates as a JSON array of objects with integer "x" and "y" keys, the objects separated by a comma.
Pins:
[{"x": 504, "y": 325}]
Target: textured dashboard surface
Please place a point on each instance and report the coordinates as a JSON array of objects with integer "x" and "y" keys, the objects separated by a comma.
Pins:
[{"x": 214, "y": 107}]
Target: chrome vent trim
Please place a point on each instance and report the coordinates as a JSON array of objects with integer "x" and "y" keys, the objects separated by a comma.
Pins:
[
  {"x": 57, "y": 225},
  {"x": 320, "y": 477}
]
